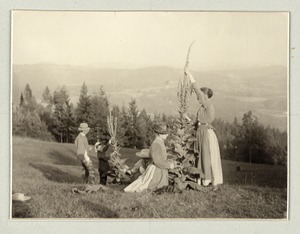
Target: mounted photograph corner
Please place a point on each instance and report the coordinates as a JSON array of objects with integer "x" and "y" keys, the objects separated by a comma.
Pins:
[{"x": 149, "y": 115}]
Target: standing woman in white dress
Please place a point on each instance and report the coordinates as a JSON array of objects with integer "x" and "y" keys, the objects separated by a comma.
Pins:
[{"x": 206, "y": 145}]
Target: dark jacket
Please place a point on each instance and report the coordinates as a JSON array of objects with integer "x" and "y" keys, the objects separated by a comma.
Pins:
[{"x": 103, "y": 156}]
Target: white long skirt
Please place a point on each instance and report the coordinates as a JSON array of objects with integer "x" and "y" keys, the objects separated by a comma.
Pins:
[
  {"x": 143, "y": 181},
  {"x": 217, "y": 174}
]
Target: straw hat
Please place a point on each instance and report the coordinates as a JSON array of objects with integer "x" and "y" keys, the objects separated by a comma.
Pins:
[
  {"x": 160, "y": 128},
  {"x": 83, "y": 126},
  {"x": 20, "y": 197},
  {"x": 144, "y": 153}
]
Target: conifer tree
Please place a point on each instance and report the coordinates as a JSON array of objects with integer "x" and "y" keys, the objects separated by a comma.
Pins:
[
  {"x": 47, "y": 97},
  {"x": 253, "y": 140},
  {"x": 132, "y": 130},
  {"x": 29, "y": 100},
  {"x": 142, "y": 130},
  {"x": 83, "y": 106},
  {"x": 26, "y": 119},
  {"x": 97, "y": 116},
  {"x": 124, "y": 124},
  {"x": 21, "y": 99},
  {"x": 64, "y": 128}
]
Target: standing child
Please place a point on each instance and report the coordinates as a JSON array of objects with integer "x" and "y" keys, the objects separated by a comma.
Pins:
[
  {"x": 103, "y": 151},
  {"x": 82, "y": 146}
]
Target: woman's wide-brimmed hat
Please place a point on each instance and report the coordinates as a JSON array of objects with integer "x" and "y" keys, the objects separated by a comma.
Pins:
[
  {"x": 160, "y": 128},
  {"x": 144, "y": 153},
  {"x": 20, "y": 197},
  {"x": 83, "y": 126}
]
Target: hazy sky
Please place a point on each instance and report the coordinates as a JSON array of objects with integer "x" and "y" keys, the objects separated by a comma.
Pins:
[{"x": 138, "y": 39}]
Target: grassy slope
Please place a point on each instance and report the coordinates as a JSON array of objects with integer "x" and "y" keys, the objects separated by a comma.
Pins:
[{"x": 47, "y": 172}]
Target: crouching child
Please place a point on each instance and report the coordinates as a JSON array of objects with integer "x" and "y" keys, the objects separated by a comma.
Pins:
[{"x": 140, "y": 167}]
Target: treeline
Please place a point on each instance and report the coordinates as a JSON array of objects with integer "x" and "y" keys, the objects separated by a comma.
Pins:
[
  {"x": 250, "y": 141},
  {"x": 57, "y": 119}
]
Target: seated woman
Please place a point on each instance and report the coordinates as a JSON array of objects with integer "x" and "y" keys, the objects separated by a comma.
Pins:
[{"x": 156, "y": 174}]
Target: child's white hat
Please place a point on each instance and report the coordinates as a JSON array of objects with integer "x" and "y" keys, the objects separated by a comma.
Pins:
[
  {"x": 20, "y": 197},
  {"x": 83, "y": 126}
]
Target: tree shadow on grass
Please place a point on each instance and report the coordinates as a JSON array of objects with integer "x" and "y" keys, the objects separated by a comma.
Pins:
[
  {"x": 20, "y": 210},
  {"x": 99, "y": 210},
  {"x": 56, "y": 175},
  {"x": 64, "y": 158},
  {"x": 239, "y": 173},
  {"x": 67, "y": 158},
  {"x": 258, "y": 178}
]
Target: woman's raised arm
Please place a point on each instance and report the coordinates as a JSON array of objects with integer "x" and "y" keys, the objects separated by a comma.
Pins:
[{"x": 200, "y": 95}]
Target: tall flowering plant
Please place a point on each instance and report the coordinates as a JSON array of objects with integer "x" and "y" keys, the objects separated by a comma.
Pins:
[
  {"x": 118, "y": 167},
  {"x": 184, "y": 90},
  {"x": 182, "y": 139}
]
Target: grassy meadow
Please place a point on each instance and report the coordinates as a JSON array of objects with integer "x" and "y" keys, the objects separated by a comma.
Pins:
[{"x": 47, "y": 171}]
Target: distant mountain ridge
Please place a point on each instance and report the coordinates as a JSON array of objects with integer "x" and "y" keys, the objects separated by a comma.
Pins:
[{"x": 262, "y": 90}]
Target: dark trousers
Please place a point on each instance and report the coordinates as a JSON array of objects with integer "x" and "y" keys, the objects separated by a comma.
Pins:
[{"x": 103, "y": 169}]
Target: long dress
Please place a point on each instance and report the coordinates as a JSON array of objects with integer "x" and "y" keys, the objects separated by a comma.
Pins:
[
  {"x": 156, "y": 174},
  {"x": 207, "y": 146},
  {"x": 216, "y": 166}
]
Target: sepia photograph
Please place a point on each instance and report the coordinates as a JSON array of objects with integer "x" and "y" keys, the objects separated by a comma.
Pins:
[{"x": 149, "y": 115}]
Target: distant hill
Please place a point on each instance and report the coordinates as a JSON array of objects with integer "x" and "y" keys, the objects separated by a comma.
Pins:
[{"x": 262, "y": 90}]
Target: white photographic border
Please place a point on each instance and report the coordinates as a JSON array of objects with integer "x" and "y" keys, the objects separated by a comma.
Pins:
[{"x": 150, "y": 226}]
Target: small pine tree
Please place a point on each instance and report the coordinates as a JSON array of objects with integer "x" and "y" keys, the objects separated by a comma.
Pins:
[
  {"x": 142, "y": 129},
  {"x": 22, "y": 101},
  {"x": 83, "y": 106},
  {"x": 47, "y": 97},
  {"x": 29, "y": 101},
  {"x": 132, "y": 130},
  {"x": 26, "y": 120},
  {"x": 64, "y": 127},
  {"x": 97, "y": 116}
]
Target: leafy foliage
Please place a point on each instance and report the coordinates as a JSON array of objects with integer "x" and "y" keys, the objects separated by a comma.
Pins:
[
  {"x": 26, "y": 120},
  {"x": 117, "y": 165},
  {"x": 64, "y": 127},
  {"x": 181, "y": 142},
  {"x": 251, "y": 142},
  {"x": 28, "y": 124}
]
